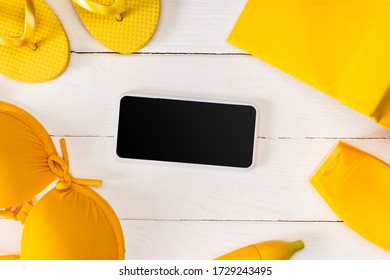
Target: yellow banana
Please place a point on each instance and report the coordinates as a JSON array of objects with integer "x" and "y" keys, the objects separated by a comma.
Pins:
[{"x": 268, "y": 250}]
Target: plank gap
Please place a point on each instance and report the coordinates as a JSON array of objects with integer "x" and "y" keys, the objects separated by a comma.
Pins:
[
  {"x": 162, "y": 53},
  {"x": 82, "y": 136},
  {"x": 347, "y": 138},
  {"x": 231, "y": 220},
  {"x": 259, "y": 137}
]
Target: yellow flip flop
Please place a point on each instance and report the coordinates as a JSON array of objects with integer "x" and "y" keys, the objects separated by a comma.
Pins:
[
  {"x": 124, "y": 26},
  {"x": 35, "y": 49}
]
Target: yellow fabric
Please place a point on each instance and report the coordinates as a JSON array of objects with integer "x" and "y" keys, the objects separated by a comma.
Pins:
[
  {"x": 337, "y": 46},
  {"x": 60, "y": 167},
  {"x": 356, "y": 186},
  {"x": 72, "y": 224},
  {"x": 20, "y": 212},
  {"x": 71, "y": 221},
  {"x": 25, "y": 147},
  {"x": 123, "y": 35},
  {"x": 10, "y": 257},
  {"x": 24, "y": 26}
]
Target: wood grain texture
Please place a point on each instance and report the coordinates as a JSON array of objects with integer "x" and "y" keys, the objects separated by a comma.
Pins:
[
  {"x": 208, "y": 240},
  {"x": 83, "y": 101},
  {"x": 191, "y": 240},
  {"x": 177, "y": 211},
  {"x": 276, "y": 188}
]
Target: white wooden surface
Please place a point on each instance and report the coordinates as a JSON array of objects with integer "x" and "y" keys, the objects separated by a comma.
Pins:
[{"x": 171, "y": 211}]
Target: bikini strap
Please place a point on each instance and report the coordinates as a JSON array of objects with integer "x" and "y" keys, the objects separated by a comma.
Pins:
[
  {"x": 19, "y": 213},
  {"x": 10, "y": 257},
  {"x": 60, "y": 167}
]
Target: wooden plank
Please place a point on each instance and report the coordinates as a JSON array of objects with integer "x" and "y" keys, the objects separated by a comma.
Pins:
[
  {"x": 10, "y": 237},
  {"x": 277, "y": 188},
  {"x": 206, "y": 240},
  {"x": 159, "y": 240},
  {"x": 173, "y": 211},
  {"x": 83, "y": 100},
  {"x": 185, "y": 26}
]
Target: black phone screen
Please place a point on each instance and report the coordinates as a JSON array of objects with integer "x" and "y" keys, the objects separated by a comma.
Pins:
[{"x": 186, "y": 131}]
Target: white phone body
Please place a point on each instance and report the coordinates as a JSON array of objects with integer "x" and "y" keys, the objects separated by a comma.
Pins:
[{"x": 147, "y": 94}]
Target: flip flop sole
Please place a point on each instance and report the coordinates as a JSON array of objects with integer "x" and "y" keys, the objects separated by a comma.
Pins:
[
  {"x": 22, "y": 63},
  {"x": 139, "y": 23}
]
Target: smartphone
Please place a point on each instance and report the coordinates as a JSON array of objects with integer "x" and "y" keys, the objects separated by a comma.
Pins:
[{"x": 186, "y": 131}]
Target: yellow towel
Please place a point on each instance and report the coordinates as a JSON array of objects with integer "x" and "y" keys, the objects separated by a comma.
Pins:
[{"x": 340, "y": 47}]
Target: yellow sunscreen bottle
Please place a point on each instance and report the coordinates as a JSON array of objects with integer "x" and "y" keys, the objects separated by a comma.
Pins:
[
  {"x": 356, "y": 185},
  {"x": 268, "y": 250}
]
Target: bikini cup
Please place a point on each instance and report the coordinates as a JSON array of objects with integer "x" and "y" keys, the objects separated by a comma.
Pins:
[{"x": 71, "y": 221}]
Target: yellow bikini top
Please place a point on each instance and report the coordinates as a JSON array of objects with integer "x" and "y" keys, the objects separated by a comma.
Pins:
[{"x": 71, "y": 221}]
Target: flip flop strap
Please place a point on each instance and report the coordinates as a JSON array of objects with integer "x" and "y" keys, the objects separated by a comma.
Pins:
[
  {"x": 29, "y": 25},
  {"x": 100, "y": 9}
]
